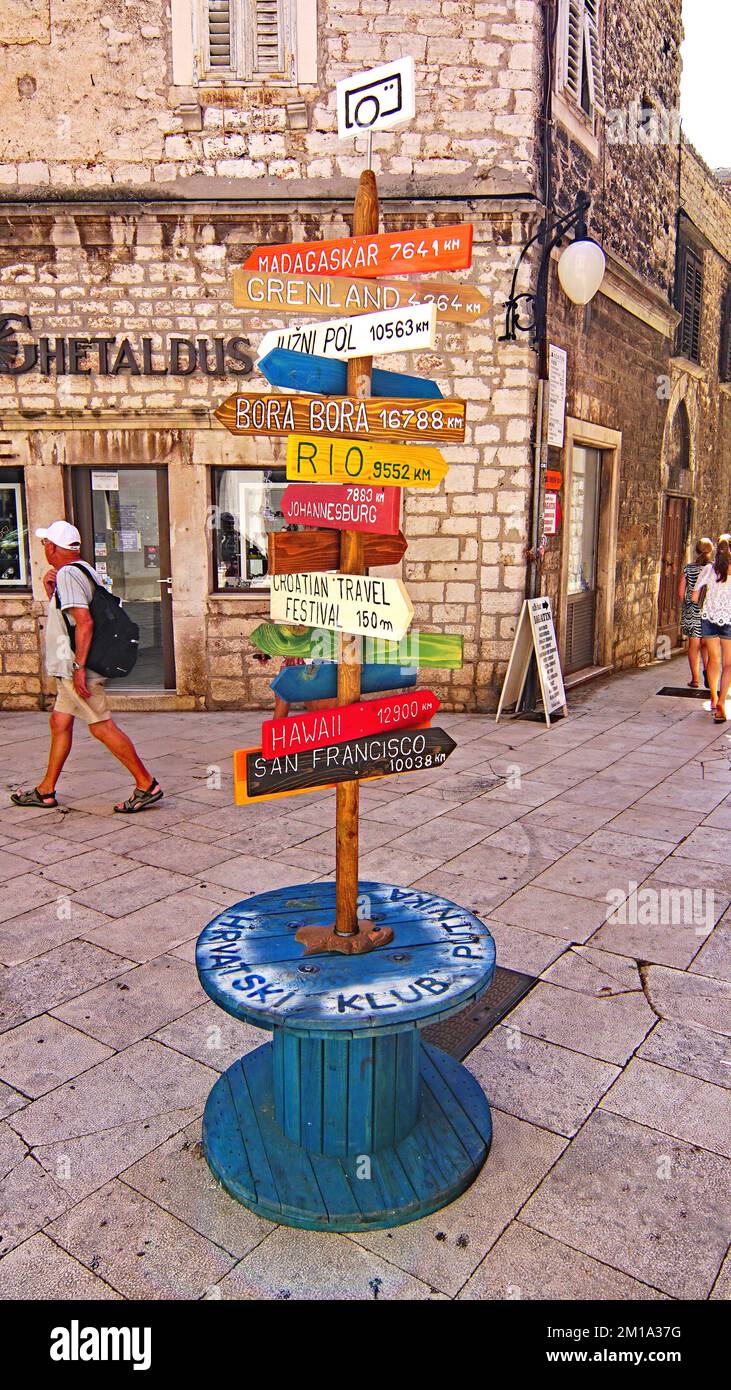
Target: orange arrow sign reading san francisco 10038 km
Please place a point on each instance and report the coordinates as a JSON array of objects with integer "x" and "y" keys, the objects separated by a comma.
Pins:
[{"x": 338, "y": 461}]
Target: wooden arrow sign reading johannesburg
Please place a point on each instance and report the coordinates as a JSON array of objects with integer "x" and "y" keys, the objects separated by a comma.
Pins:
[
  {"x": 438, "y": 649},
  {"x": 293, "y": 551},
  {"x": 385, "y": 253},
  {"x": 330, "y": 460},
  {"x": 454, "y": 303},
  {"x": 328, "y": 376},
  {"x": 354, "y": 603},
  {"x": 392, "y": 330},
  {"x": 377, "y": 755},
  {"x": 302, "y": 731},
  {"x": 421, "y": 420},
  {"x": 370, "y": 510},
  {"x": 302, "y": 684}
]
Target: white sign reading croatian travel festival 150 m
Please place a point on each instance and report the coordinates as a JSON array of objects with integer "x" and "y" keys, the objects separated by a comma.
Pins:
[
  {"x": 366, "y": 335},
  {"x": 377, "y": 99}
]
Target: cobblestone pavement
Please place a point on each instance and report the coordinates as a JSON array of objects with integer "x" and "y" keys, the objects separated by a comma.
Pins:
[{"x": 608, "y": 1176}]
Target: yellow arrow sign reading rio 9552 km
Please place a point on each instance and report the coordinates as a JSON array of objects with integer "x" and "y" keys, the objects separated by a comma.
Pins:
[{"x": 340, "y": 461}]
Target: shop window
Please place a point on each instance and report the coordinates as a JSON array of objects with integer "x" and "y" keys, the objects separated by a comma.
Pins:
[
  {"x": 579, "y": 62},
  {"x": 247, "y": 503},
  {"x": 244, "y": 41},
  {"x": 14, "y": 568},
  {"x": 689, "y": 301},
  {"x": 724, "y": 365}
]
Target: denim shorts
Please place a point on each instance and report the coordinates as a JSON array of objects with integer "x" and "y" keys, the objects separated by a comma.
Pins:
[{"x": 715, "y": 629}]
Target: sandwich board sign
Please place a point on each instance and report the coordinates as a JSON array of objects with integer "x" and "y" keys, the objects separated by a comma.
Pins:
[
  {"x": 535, "y": 633},
  {"x": 377, "y": 99},
  {"x": 389, "y": 330}
]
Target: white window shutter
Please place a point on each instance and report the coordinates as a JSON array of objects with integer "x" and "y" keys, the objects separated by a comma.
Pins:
[
  {"x": 183, "y": 43},
  {"x": 596, "y": 57},
  {"x": 268, "y": 20},
  {"x": 574, "y": 48},
  {"x": 220, "y": 37}
]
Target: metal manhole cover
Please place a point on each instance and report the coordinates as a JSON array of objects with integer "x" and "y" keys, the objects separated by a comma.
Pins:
[
  {"x": 684, "y": 692},
  {"x": 459, "y": 1035}
]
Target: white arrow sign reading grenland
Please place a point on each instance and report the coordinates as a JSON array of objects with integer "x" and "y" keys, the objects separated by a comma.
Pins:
[
  {"x": 367, "y": 335},
  {"x": 353, "y": 603},
  {"x": 376, "y": 99}
]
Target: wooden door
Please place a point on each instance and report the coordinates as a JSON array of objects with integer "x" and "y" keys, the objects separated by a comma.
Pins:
[{"x": 674, "y": 538}]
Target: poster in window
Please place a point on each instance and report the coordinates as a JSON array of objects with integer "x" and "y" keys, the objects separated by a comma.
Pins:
[{"x": 13, "y": 568}]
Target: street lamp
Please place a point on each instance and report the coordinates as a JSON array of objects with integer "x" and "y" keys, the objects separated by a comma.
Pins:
[{"x": 580, "y": 271}]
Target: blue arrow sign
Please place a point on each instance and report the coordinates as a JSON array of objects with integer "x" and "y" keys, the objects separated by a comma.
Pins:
[
  {"x": 319, "y": 681},
  {"x": 326, "y": 376}
]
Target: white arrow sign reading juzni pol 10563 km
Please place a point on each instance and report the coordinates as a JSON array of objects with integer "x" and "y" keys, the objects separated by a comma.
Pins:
[
  {"x": 351, "y": 603},
  {"x": 391, "y": 330}
]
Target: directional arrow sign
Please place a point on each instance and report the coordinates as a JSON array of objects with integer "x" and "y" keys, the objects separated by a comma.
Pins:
[
  {"x": 394, "y": 465},
  {"x": 385, "y": 253},
  {"x": 438, "y": 649},
  {"x": 391, "y": 330},
  {"x": 328, "y": 376},
  {"x": 290, "y": 551},
  {"x": 354, "y": 603},
  {"x": 376, "y": 755},
  {"x": 315, "y": 730},
  {"x": 367, "y": 509},
  {"x": 285, "y": 294},
  {"x": 301, "y": 684},
  {"x": 425, "y": 421}
]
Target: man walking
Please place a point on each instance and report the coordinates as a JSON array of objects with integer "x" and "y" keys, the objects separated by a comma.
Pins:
[{"x": 81, "y": 692}]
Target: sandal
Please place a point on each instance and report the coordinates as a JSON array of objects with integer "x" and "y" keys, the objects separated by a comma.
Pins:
[
  {"x": 35, "y": 798},
  {"x": 693, "y": 685},
  {"x": 719, "y": 716},
  {"x": 140, "y": 800}
]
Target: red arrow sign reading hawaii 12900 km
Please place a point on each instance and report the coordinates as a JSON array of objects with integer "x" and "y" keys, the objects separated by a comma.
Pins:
[
  {"x": 372, "y": 510},
  {"x": 324, "y": 727},
  {"x": 384, "y": 253}
]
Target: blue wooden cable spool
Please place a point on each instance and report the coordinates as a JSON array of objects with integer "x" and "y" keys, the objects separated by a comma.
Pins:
[{"x": 346, "y": 1120}]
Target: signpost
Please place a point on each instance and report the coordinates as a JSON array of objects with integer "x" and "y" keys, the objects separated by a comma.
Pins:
[
  {"x": 390, "y": 330},
  {"x": 387, "y": 253},
  {"x": 429, "y": 422},
  {"x": 321, "y": 727},
  {"x": 317, "y": 294},
  {"x": 389, "y": 465},
  {"x": 372, "y": 510},
  {"x": 376, "y": 755},
  {"x": 353, "y": 603},
  {"x": 290, "y": 551},
  {"x": 328, "y": 376},
  {"x": 303, "y": 684}
]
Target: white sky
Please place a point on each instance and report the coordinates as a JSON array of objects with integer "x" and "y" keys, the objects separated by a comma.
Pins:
[{"x": 704, "y": 93}]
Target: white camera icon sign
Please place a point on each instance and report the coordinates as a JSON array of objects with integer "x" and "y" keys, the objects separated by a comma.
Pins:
[{"x": 376, "y": 99}]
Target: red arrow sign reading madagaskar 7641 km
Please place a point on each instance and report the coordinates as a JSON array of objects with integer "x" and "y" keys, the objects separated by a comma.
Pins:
[
  {"x": 383, "y": 253},
  {"x": 372, "y": 510},
  {"x": 323, "y": 727}
]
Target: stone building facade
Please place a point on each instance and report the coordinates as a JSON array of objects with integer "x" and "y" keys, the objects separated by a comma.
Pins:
[{"x": 139, "y": 170}]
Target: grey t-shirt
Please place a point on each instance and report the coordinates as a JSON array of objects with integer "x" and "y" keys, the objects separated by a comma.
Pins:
[{"x": 75, "y": 590}]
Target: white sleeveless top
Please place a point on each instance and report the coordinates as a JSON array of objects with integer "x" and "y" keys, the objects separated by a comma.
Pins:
[{"x": 717, "y": 606}]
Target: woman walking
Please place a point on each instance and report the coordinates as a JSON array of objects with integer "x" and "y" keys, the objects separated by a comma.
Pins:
[
  {"x": 716, "y": 626},
  {"x": 690, "y": 613}
]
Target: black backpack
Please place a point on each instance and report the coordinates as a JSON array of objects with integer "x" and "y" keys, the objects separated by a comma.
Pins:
[{"x": 116, "y": 641}]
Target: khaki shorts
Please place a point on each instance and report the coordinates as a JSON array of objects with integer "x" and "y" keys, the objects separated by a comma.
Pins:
[{"x": 92, "y": 711}]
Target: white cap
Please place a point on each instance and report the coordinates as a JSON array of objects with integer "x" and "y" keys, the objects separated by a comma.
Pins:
[{"x": 61, "y": 533}]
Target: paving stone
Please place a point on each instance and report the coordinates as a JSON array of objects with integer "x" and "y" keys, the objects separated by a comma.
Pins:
[
  {"x": 715, "y": 957},
  {"x": 211, "y": 1036},
  {"x": 621, "y": 845},
  {"x": 247, "y": 874},
  {"x": 593, "y": 875},
  {"x": 43, "y": 1053},
  {"x": 519, "y": 949},
  {"x": 493, "y": 814},
  {"x": 125, "y": 1010},
  {"x": 476, "y": 895},
  {"x": 12, "y": 1149},
  {"x": 39, "y": 1270},
  {"x": 708, "y": 843},
  {"x": 24, "y": 892},
  {"x": 134, "y": 889},
  {"x": 440, "y": 840},
  {"x": 674, "y": 1103},
  {"x": 409, "y": 811},
  {"x": 686, "y": 873},
  {"x": 10, "y": 1101},
  {"x": 663, "y": 942},
  {"x": 29, "y": 1199},
  {"x": 152, "y": 930},
  {"x": 598, "y": 973},
  {"x": 690, "y": 1049},
  {"x": 444, "y": 1249},
  {"x": 539, "y": 1081},
  {"x": 608, "y": 1028},
  {"x": 606, "y": 1197},
  {"x": 40, "y": 849},
  {"x": 34, "y": 933},
  {"x": 138, "y": 1248},
  {"x": 656, "y": 822},
  {"x": 84, "y": 870},
  {"x": 529, "y": 1266},
  {"x": 177, "y": 1178},
  {"x": 557, "y": 914},
  {"x": 39, "y": 984},
  {"x": 388, "y": 865},
  {"x": 722, "y": 1286},
  {"x": 309, "y": 1265},
  {"x": 684, "y": 797},
  {"x": 689, "y": 999},
  {"x": 720, "y": 819},
  {"x": 181, "y": 855}
]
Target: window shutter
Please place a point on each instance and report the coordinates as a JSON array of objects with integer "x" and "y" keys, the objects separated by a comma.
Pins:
[
  {"x": 268, "y": 22},
  {"x": 594, "y": 50},
  {"x": 691, "y": 298},
  {"x": 574, "y": 47},
  {"x": 724, "y": 367},
  {"x": 219, "y": 34}
]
